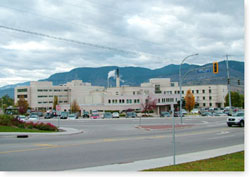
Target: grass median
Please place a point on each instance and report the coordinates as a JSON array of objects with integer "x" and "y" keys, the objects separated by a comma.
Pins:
[{"x": 229, "y": 162}]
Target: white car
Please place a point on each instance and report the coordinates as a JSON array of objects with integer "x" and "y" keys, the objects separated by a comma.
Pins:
[
  {"x": 236, "y": 119},
  {"x": 195, "y": 111},
  {"x": 72, "y": 116},
  {"x": 115, "y": 115},
  {"x": 33, "y": 118}
]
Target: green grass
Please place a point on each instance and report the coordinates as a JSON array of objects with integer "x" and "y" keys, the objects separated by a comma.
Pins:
[
  {"x": 230, "y": 162},
  {"x": 15, "y": 129}
]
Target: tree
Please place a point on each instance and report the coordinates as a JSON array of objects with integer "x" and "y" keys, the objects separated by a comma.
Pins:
[
  {"x": 6, "y": 101},
  {"x": 190, "y": 100},
  {"x": 55, "y": 102},
  {"x": 236, "y": 100},
  {"x": 22, "y": 105},
  {"x": 74, "y": 107},
  {"x": 149, "y": 105}
]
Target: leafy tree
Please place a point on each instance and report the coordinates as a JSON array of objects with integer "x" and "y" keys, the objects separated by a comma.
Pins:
[
  {"x": 55, "y": 102},
  {"x": 6, "y": 101},
  {"x": 74, "y": 107},
  {"x": 242, "y": 101},
  {"x": 149, "y": 105},
  {"x": 236, "y": 100},
  {"x": 190, "y": 100},
  {"x": 22, "y": 105}
]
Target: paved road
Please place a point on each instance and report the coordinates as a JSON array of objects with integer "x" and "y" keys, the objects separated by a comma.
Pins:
[{"x": 115, "y": 141}]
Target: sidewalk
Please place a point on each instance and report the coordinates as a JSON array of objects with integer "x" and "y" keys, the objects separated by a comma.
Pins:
[
  {"x": 66, "y": 131},
  {"x": 165, "y": 161}
]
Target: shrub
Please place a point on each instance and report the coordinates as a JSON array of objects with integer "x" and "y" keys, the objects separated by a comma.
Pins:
[{"x": 9, "y": 120}]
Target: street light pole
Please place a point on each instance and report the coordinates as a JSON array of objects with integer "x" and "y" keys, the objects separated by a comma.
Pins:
[
  {"x": 180, "y": 82},
  {"x": 228, "y": 85}
]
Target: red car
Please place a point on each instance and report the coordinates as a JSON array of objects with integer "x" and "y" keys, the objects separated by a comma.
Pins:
[{"x": 95, "y": 116}]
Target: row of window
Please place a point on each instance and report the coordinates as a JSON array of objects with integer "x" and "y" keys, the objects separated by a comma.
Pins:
[
  {"x": 204, "y": 104},
  {"x": 45, "y": 96},
  {"x": 50, "y": 90},
  {"x": 45, "y": 102},
  {"x": 22, "y": 90},
  {"x": 203, "y": 98},
  {"x": 193, "y": 91},
  {"x": 165, "y": 100},
  {"x": 122, "y": 101}
]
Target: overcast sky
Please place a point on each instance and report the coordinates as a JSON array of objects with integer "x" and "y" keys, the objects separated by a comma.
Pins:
[{"x": 150, "y": 33}]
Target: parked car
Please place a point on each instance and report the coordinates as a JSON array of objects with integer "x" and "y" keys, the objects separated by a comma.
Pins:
[
  {"x": 131, "y": 114},
  {"x": 219, "y": 113},
  {"x": 184, "y": 111},
  {"x": 165, "y": 114},
  {"x": 33, "y": 117},
  {"x": 195, "y": 111},
  {"x": 206, "y": 114},
  {"x": 95, "y": 116},
  {"x": 115, "y": 115},
  {"x": 85, "y": 115},
  {"x": 64, "y": 115},
  {"x": 22, "y": 117},
  {"x": 48, "y": 115},
  {"x": 72, "y": 116},
  {"x": 177, "y": 114},
  {"x": 236, "y": 119},
  {"x": 107, "y": 115}
]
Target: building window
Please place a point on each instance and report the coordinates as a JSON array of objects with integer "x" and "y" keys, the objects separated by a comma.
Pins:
[
  {"x": 204, "y": 104},
  {"x": 197, "y": 91},
  {"x": 210, "y": 104},
  {"x": 203, "y": 91},
  {"x": 109, "y": 101},
  {"x": 172, "y": 84},
  {"x": 159, "y": 100},
  {"x": 210, "y": 98},
  {"x": 22, "y": 90},
  {"x": 133, "y": 93},
  {"x": 210, "y": 91},
  {"x": 204, "y": 98},
  {"x": 157, "y": 89},
  {"x": 22, "y": 96},
  {"x": 117, "y": 93},
  {"x": 192, "y": 91}
]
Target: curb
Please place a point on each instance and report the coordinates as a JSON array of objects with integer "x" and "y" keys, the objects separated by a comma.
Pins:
[
  {"x": 66, "y": 131},
  {"x": 166, "y": 161}
]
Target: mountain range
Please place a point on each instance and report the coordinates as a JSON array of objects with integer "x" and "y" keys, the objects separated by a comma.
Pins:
[{"x": 134, "y": 76}]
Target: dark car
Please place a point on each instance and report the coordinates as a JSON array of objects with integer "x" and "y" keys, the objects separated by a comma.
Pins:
[
  {"x": 107, "y": 115},
  {"x": 130, "y": 114},
  {"x": 85, "y": 115},
  {"x": 165, "y": 114},
  {"x": 206, "y": 114},
  {"x": 48, "y": 115}
]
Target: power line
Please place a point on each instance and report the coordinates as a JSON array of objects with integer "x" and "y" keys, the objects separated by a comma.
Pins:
[
  {"x": 69, "y": 40},
  {"x": 135, "y": 53}
]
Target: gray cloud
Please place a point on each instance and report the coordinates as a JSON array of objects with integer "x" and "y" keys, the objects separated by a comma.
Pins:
[{"x": 162, "y": 32}]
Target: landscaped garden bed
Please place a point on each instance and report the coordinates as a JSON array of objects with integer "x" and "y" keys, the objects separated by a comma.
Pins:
[{"x": 10, "y": 124}]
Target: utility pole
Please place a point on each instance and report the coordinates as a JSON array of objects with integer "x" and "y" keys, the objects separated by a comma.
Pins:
[{"x": 228, "y": 84}]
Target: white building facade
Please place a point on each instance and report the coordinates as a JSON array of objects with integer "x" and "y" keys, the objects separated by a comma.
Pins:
[{"x": 162, "y": 91}]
